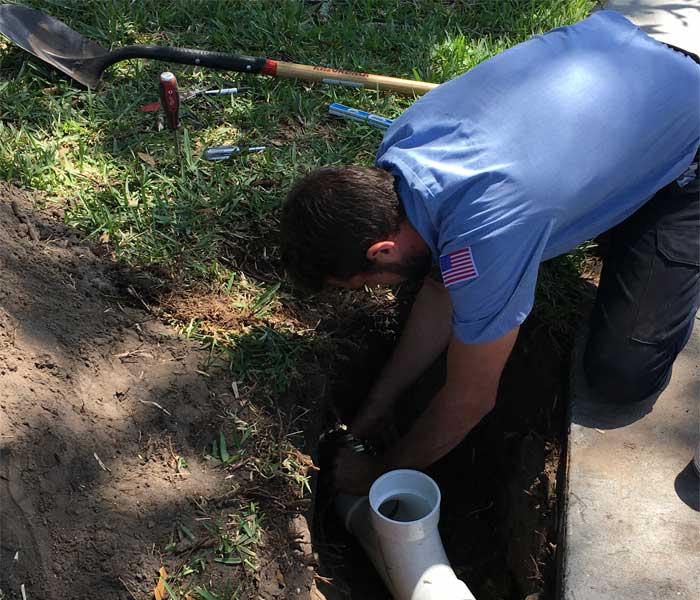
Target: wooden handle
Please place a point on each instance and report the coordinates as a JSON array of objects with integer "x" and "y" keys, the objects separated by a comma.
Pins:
[{"x": 348, "y": 78}]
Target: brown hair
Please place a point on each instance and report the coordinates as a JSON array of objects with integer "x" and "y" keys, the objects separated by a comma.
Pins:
[{"x": 330, "y": 219}]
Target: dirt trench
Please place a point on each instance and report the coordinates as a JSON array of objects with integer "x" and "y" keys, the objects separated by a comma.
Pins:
[
  {"x": 98, "y": 401},
  {"x": 500, "y": 487}
]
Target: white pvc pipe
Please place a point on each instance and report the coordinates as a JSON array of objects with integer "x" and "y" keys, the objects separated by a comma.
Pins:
[{"x": 397, "y": 527}]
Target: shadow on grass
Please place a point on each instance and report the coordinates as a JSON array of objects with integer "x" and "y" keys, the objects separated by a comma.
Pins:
[{"x": 188, "y": 217}]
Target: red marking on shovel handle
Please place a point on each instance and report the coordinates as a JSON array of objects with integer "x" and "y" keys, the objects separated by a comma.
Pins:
[{"x": 269, "y": 68}]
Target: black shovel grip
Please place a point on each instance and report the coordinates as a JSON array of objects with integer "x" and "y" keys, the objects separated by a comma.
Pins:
[{"x": 187, "y": 56}]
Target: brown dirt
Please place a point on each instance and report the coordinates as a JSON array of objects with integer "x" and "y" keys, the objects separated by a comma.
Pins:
[{"x": 90, "y": 493}]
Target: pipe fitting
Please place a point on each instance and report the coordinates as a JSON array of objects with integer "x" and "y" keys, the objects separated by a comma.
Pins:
[{"x": 397, "y": 527}]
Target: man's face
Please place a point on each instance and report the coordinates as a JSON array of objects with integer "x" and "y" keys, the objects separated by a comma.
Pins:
[{"x": 386, "y": 274}]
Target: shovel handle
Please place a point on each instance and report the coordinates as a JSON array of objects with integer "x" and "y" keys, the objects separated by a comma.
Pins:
[
  {"x": 188, "y": 56},
  {"x": 250, "y": 64},
  {"x": 327, "y": 75}
]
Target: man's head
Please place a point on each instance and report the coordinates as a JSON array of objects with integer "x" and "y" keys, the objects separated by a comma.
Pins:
[{"x": 346, "y": 226}]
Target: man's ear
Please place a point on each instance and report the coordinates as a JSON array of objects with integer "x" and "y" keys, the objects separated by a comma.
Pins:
[{"x": 381, "y": 251}]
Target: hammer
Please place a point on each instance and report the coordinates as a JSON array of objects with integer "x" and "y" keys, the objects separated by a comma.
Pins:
[{"x": 170, "y": 101}]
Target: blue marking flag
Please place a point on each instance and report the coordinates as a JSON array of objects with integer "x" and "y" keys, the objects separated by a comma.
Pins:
[{"x": 458, "y": 266}]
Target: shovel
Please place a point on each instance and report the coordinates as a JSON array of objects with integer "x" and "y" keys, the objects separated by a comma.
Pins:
[{"x": 84, "y": 60}]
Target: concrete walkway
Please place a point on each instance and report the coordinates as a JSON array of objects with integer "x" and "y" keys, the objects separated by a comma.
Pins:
[
  {"x": 632, "y": 526},
  {"x": 632, "y": 521},
  {"x": 674, "y": 22}
]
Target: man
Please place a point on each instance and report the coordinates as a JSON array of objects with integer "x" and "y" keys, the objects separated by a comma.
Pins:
[{"x": 576, "y": 132}]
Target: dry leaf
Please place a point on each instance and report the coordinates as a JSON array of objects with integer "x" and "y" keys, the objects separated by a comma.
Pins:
[
  {"x": 147, "y": 158},
  {"x": 104, "y": 238},
  {"x": 159, "y": 592}
]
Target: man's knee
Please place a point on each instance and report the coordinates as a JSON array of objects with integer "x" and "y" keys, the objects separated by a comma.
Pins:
[{"x": 625, "y": 371}]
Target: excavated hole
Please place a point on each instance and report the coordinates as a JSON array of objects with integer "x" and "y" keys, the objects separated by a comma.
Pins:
[{"x": 500, "y": 500}]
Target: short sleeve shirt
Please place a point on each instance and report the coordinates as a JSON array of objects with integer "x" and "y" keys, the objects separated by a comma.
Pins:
[{"x": 536, "y": 150}]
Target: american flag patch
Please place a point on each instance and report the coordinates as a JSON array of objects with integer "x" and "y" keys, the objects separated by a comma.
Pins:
[{"x": 458, "y": 266}]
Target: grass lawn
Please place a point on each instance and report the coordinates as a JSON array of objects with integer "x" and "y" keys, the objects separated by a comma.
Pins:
[{"x": 208, "y": 228}]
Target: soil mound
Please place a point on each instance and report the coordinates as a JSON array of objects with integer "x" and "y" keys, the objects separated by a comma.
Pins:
[{"x": 98, "y": 400}]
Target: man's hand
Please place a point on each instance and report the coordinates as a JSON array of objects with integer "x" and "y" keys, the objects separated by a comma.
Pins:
[
  {"x": 469, "y": 393},
  {"x": 354, "y": 473}
]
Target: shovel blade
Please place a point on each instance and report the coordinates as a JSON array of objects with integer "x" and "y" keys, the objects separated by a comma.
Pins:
[{"x": 53, "y": 42}]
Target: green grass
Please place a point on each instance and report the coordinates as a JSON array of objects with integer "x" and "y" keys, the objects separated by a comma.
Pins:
[
  {"x": 81, "y": 148},
  {"x": 208, "y": 221},
  {"x": 213, "y": 226}
]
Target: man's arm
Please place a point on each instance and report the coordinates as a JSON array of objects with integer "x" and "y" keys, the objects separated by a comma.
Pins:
[
  {"x": 425, "y": 336},
  {"x": 469, "y": 394}
]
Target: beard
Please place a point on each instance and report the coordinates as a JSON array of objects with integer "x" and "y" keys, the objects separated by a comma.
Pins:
[{"x": 412, "y": 268}]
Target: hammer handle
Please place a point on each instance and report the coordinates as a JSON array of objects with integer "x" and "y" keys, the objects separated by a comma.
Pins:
[{"x": 169, "y": 99}]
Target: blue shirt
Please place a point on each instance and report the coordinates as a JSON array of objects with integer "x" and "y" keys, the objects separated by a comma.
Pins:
[{"x": 536, "y": 150}]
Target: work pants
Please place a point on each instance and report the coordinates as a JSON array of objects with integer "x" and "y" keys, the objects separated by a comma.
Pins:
[{"x": 648, "y": 295}]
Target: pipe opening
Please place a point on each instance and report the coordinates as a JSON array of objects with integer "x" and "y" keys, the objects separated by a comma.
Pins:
[
  {"x": 404, "y": 496},
  {"x": 405, "y": 508}
]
